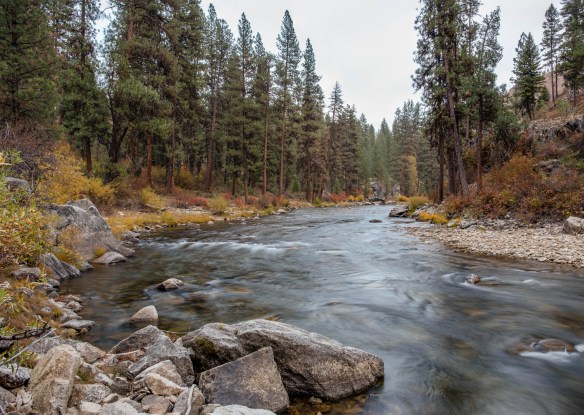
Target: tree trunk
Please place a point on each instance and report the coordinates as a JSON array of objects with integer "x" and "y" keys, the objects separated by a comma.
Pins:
[
  {"x": 441, "y": 163},
  {"x": 308, "y": 179},
  {"x": 281, "y": 189},
  {"x": 265, "y": 183},
  {"x": 211, "y": 149},
  {"x": 149, "y": 159},
  {"x": 455, "y": 134},
  {"x": 170, "y": 170},
  {"x": 480, "y": 147}
]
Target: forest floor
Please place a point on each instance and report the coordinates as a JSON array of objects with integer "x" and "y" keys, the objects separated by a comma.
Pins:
[{"x": 543, "y": 242}]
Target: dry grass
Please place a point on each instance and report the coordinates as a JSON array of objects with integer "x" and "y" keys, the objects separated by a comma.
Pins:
[
  {"x": 433, "y": 217},
  {"x": 127, "y": 221}
]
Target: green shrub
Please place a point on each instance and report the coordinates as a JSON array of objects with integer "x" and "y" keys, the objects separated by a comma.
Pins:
[
  {"x": 417, "y": 201},
  {"x": 218, "y": 205},
  {"x": 150, "y": 199}
]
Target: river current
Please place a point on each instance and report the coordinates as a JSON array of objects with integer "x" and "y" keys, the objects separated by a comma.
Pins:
[{"x": 373, "y": 286}]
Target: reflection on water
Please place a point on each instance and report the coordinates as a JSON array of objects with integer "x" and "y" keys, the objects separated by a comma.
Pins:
[{"x": 370, "y": 286}]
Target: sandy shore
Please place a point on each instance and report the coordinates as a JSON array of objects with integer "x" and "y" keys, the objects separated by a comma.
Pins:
[{"x": 545, "y": 244}]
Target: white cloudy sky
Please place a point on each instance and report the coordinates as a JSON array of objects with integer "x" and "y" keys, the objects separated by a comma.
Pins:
[{"x": 368, "y": 45}]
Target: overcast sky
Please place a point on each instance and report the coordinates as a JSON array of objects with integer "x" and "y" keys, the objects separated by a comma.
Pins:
[{"x": 368, "y": 45}]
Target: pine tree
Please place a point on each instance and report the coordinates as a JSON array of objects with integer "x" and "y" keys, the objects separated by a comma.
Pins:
[
  {"x": 311, "y": 110},
  {"x": 529, "y": 82},
  {"x": 218, "y": 43},
  {"x": 286, "y": 79},
  {"x": 27, "y": 63},
  {"x": 83, "y": 105},
  {"x": 572, "y": 56},
  {"x": 261, "y": 93},
  {"x": 550, "y": 44},
  {"x": 336, "y": 108}
]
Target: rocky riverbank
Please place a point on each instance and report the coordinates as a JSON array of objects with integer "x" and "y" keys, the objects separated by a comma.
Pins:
[
  {"x": 544, "y": 243},
  {"x": 248, "y": 368}
]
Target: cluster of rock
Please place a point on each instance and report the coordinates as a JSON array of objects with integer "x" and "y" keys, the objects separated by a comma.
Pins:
[
  {"x": 399, "y": 210},
  {"x": 249, "y": 368},
  {"x": 547, "y": 243}
]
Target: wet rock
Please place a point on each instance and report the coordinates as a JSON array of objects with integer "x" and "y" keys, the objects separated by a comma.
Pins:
[
  {"x": 95, "y": 393},
  {"x": 170, "y": 284},
  {"x": 197, "y": 401},
  {"x": 141, "y": 339},
  {"x": 118, "y": 408},
  {"x": 399, "y": 211},
  {"x": 61, "y": 270},
  {"x": 162, "y": 386},
  {"x": 89, "y": 408},
  {"x": 90, "y": 229},
  {"x": 375, "y": 221},
  {"x": 553, "y": 345},
  {"x": 85, "y": 267},
  {"x": 74, "y": 305},
  {"x": 79, "y": 325},
  {"x": 130, "y": 236},
  {"x": 310, "y": 364},
  {"x": 68, "y": 315},
  {"x": 472, "y": 279},
  {"x": 252, "y": 381},
  {"x": 110, "y": 258},
  {"x": 164, "y": 349},
  {"x": 147, "y": 313},
  {"x": 13, "y": 376},
  {"x": 27, "y": 273},
  {"x": 573, "y": 226},
  {"x": 165, "y": 369},
  {"x": 153, "y": 404},
  {"x": 8, "y": 398},
  {"x": 51, "y": 381},
  {"x": 239, "y": 410}
]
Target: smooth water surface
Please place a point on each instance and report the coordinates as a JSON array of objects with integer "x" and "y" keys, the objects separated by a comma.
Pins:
[{"x": 371, "y": 286}]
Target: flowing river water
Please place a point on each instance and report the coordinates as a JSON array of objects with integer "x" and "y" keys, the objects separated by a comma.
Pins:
[{"x": 373, "y": 286}]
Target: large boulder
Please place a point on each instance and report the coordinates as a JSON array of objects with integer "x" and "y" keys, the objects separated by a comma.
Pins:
[
  {"x": 170, "y": 284},
  {"x": 573, "y": 226},
  {"x": 252, "y": 381},
  {"x": 51, "y": 380},
  {"x": 161, "y": 350},
  {"x": 310, "y": 364},
  {"x": 61, "y": 270},
  {"x": 110, "y": 258},
  {"x": 82, "y": 221}
]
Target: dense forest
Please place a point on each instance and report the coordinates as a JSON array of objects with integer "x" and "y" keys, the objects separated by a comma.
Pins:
[
  {"x": 171, "y": 96},
  {"x": 172, "y": 88}
]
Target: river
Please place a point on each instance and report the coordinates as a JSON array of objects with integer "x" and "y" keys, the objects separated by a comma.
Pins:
[{"x": 372, "y": 286}]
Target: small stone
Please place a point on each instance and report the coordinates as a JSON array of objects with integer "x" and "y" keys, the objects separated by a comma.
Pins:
[
  {"x": 166, "y": 369},
  {"x": 6, "y": 398},
  {"x": 147, "y": 313},
  {"x": 79, "y": 325},
  {"x": 74, "y": 305},
  {"x": 197, "y": 401},
  {"x": 553, "y": 345},
  {"x": 472, "y": 279},
  {"x": 32, "y": 274},
  {"x": 162, "y": 386},
  {"x": 153, "y": 404},
  {"x": 239, "y": 410},
  {"x": 13, "y": 376},
  {"x": 170, "y": 284},
  {"x": 89, "y": 408},
  {"x": 118, "y": 408},
  {"x": 95, "y": 393},
  {"x": 110, "y": 258},
  {"x": 315, "y": 401},
  {"x": 375, "y": 221}
]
